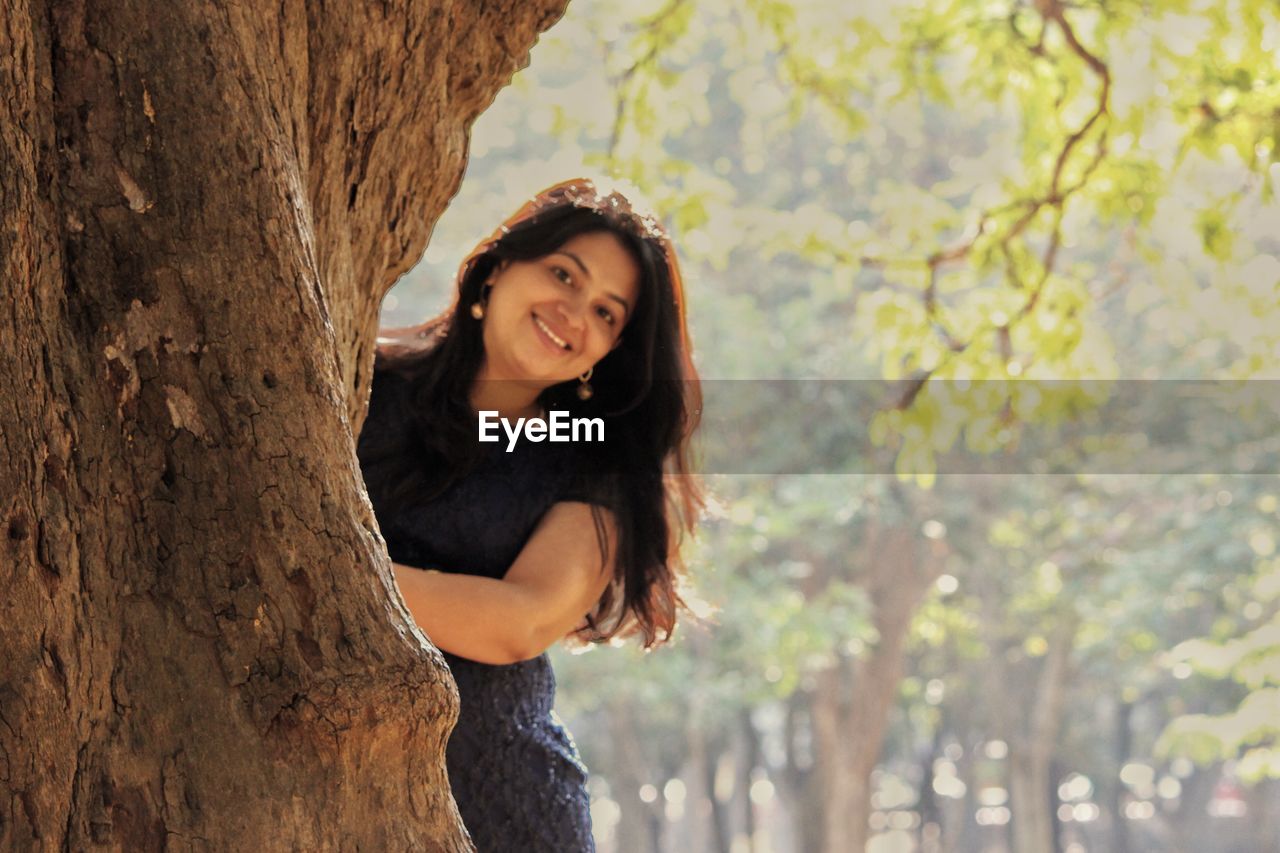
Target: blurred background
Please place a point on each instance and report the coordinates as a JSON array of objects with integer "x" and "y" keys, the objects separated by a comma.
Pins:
[{"x": 961, "y": 205}]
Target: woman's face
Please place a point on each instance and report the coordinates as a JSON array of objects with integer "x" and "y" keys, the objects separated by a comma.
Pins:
[{"x": 552, "y": 318}]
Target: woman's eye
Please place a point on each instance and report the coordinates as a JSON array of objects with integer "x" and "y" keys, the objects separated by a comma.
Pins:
[
  {"x": 562, "y": 274},
  {"x": 606, "y": 314}
]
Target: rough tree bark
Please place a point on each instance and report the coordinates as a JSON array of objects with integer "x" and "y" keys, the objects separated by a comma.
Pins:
[{"x": 201, "y": 207}]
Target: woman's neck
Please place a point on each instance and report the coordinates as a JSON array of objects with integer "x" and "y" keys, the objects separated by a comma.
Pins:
[{"x": 510, "y": 398}]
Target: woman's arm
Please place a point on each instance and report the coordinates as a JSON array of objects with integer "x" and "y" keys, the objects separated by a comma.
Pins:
[{"x": 556, "y": 579}]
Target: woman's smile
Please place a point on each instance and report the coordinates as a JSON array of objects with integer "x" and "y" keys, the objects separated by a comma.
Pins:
[{"x": 549, "y": 337}]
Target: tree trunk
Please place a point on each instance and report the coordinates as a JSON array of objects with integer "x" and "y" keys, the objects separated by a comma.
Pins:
[
  {"x": 636, "y": 832},
  {"x": 1031, "y": 750},
  {"x": 1263, "y": 823},
  {"x": 901, "y": 569},
  {"x": 850, "y": 719},
  {"x": 835, "y": 771},
  {"x": 927, "y": 805},
  {"x": 703, "y": 817},
  {"x": 798, "y": 782},
  {"x": 746, "y": 769},
  {"x": 719, "y": 813},
  {"x": 962, "y": 833},
  {"x": 201, "y": 207},
  {"x": 1119, "y": 836},
  {"x": 1184, "y": 829}
]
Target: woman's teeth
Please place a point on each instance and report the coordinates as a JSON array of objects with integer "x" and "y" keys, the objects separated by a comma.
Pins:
[{"x": 550, "y": 334}]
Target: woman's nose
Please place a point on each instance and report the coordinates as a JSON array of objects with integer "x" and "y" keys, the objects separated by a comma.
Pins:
[{"x": 572, "y": 310}]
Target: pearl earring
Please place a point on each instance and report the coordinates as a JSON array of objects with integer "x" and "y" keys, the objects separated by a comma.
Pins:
[
  {"x": 477, "y": 307},
  {"x": 585, "y": 390}
]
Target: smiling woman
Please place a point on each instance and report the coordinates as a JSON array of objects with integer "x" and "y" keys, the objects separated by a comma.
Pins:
[
  {"x": 573, "y": 309},
  {"x": 554, "y": 317}
]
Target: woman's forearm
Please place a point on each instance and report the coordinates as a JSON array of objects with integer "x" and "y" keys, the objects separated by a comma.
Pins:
[{"x": 474, "y": 617}]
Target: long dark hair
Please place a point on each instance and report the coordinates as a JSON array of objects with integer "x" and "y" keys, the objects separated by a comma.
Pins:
[{"x": 646, "y": 389}]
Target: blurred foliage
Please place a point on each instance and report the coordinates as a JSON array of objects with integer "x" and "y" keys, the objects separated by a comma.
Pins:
[{"x": 941, "y": 195}]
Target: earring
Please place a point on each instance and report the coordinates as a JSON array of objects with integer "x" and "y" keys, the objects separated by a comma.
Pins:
[
  {"x": 477, "y": 307},
  {"x": 585, "y": 390}
]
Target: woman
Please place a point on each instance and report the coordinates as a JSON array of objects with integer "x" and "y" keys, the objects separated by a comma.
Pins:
[{"x": 501, "y": 549}]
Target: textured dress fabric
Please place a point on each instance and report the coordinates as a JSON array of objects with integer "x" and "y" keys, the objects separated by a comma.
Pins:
[{"x": 514, "y": 769}]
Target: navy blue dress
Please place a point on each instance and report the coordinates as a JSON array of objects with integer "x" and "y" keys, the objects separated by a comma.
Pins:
[{"x": 514, "y": 769}]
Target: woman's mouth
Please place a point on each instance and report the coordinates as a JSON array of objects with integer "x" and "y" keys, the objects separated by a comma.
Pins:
[{"x": 550, "y": 337}]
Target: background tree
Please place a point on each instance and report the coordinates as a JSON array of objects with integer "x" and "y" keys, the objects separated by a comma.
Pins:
[{"x": 203, "y": 205}]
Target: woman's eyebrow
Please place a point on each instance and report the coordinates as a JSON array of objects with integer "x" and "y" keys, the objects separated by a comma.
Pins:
[
  {"x": 577, "y": 260},
  {"x": 618, "y": 299}
]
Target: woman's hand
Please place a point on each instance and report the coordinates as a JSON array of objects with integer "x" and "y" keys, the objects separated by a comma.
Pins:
[{"x": 556, "y": 579}]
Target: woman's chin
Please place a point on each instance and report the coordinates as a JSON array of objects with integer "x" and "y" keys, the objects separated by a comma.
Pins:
[
  {"x": 546, "y": 368},
  {"x": 542, "y": 374}
]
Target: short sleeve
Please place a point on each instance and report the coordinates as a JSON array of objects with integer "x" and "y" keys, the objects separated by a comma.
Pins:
[{"x": 601, "y": 489}]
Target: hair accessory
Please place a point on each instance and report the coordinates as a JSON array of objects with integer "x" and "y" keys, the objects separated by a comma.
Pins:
[
  {"x": 584, "y": 389},
  {"x": 617, "y": 199},
  {"x": 612, "y": 199}
]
